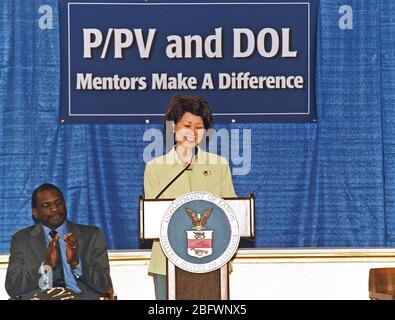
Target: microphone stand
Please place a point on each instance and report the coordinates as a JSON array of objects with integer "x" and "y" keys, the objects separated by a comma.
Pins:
[{"x": 176, "y": 177}]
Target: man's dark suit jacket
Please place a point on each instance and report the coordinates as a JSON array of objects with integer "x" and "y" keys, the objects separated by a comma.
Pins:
[{"x": 28, "y": 249}]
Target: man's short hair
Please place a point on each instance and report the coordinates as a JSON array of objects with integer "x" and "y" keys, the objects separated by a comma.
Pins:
[{"x": 43, "y": 187}]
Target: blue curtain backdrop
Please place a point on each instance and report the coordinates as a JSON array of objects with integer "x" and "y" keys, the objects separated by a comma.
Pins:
[{"x": 325, "y": 184}]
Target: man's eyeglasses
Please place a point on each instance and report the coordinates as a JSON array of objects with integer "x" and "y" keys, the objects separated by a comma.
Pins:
[{"x": 47, "y": 205}]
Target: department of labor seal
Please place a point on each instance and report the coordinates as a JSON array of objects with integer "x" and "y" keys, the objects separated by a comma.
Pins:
[{"x": 199, "y": 232}]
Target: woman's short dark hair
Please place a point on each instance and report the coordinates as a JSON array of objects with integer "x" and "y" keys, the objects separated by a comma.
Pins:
[{"x": 179, "y": 105}]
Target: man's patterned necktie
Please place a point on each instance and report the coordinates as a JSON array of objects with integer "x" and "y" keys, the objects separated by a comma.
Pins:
[{"x": 58, "y": 275}]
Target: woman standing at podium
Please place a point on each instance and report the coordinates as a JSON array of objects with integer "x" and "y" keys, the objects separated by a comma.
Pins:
[{"x": 190, "y": 117}]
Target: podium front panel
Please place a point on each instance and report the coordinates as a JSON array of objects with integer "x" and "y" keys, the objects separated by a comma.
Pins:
[
  {"x": 153, "y": 210},
  {"x": 184, "y": 285}
]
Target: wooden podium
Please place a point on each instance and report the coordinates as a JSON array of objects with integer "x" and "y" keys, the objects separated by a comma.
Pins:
[{"x": 185, "y": 285}]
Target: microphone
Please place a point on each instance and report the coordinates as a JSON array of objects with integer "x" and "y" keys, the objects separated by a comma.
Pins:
[{"x": 181, "y": 172}]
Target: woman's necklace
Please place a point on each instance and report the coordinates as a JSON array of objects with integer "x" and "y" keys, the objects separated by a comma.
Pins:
[{"x": 185, "y": 157}]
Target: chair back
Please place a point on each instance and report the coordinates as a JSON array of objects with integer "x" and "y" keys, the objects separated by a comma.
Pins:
[{"x": 381, "y": 283}]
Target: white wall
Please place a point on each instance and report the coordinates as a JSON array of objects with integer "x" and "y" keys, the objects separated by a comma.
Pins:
[{"x": 263, "y": 274}]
